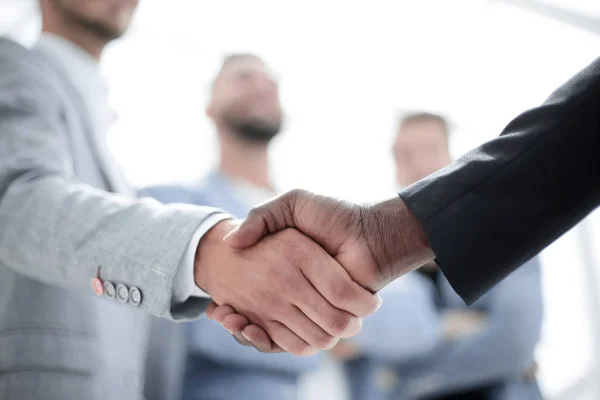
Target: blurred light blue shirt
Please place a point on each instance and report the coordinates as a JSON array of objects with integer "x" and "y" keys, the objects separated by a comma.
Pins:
[{"x": 218, "y": 368}]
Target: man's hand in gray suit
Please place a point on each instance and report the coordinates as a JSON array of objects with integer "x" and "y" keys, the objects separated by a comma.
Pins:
[
  {"x": 375, "y": 245},
  {"x": 285, "y": 284}
]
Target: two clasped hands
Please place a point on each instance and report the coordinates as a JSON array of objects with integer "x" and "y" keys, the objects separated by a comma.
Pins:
[{"x": 303, "y": 270}]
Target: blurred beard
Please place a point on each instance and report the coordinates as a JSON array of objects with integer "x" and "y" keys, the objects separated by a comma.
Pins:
[
  {"x": 98, "y": 29},
  {"x": 255, "y": 131}
]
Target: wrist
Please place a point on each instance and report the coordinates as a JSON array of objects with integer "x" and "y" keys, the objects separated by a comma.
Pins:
[
  {"x": 207, "y": 254},
  {"x": 395, "y": 237}
]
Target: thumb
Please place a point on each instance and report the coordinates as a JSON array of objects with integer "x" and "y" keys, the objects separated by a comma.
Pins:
[
  {"x": 249, "y": 232},
  {"x": 262, "y": 220}
]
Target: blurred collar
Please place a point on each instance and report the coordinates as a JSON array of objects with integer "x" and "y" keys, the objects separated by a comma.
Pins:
[
  {"x": 83, "y": 70},
  {"x": 80, "y": 66},
  {"x": 248, "y": 192}
]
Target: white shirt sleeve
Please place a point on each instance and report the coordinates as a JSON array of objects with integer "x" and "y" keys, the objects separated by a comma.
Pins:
[{"x": 185, "y": 286}]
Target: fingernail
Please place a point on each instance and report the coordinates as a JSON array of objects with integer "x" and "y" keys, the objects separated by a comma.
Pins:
[
  {"x": 231, "y": 232},
  {"x": 227, "y": 329},
  {"x": 379, "y": 302},
  {"x": 246, "y": 337}
]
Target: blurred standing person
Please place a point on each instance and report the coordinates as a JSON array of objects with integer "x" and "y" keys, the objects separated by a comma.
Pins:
[
  {"x": 246, "y": 111},
  {"x": 486, "y": 351}
]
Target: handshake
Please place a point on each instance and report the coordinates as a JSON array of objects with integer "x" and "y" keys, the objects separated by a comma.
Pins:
[{"x": 303, "y": 270}]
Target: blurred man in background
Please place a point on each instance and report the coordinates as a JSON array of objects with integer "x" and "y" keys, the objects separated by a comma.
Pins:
[
  {"x": 245, "y": 109},
  {"x": 483, "y": 352},
  {"x": 450, "y": 352}
]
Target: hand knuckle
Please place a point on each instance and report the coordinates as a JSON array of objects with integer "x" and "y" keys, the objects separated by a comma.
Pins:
[
  {"x": 373, "y": 305},
  {"x": 355, "y": 327},
  {"x": 364, "y": 305},
  {"x": 341, "y": 292},
  {"x": 269, "y": 302},
  {"x": 287, "y": 288},
  {"x": 323, "y": 340},
  {"x": 299, "y": 348},
  {"x": 296, "y": 254},
  {"x": 306, "y": 350},
  {"x": 254, "y": 212},
  {"x": 328, "y": 342},
  {"x": 311, "y": 352},
  {"x": 298, "y": 193},
  {"x": 339, "y": 323}
]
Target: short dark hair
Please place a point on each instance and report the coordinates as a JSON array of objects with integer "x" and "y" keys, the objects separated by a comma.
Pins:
[
  {"x": 231, "y": 58},
  {"x": 424, "y": 116}
]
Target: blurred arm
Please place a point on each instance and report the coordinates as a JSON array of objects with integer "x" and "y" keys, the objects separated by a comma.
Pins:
[
  {"x": 406, "y": 325},
  {"x": 458, "y": 323},
  {"x": 503, "y": 349}
]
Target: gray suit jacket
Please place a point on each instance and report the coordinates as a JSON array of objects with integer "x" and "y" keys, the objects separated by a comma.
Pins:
[{"x": 57, "y": 225}]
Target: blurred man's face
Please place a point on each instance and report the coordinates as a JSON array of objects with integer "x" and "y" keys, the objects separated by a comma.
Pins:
[
  {"x": 245, "y": 101},
  {"x": 108, "y": 19},
  {"x": 421, "y": 148}
]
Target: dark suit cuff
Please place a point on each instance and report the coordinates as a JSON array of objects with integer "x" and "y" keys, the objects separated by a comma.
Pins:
[{"x": 465, "y": 277}]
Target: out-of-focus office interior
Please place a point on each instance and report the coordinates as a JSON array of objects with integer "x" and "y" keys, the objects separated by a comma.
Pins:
[{"x": 347, "y": 72}]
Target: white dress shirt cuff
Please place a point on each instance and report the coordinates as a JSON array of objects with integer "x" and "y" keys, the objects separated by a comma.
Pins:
[{"x": 184, "y": 285}]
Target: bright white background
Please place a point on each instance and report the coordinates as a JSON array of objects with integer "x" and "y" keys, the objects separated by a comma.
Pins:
[{"x": 348, "y": 68}]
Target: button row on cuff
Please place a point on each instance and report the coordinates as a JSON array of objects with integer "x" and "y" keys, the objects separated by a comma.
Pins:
[{"x": 120, "y": 293}]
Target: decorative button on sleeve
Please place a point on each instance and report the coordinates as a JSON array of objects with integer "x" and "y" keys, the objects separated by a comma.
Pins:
[
  {"x": 135, "y": 296},
  {"x": 97, "y": 286},
  {"x": 122, "y": 293},
  {"x": 109, "y": 290}
]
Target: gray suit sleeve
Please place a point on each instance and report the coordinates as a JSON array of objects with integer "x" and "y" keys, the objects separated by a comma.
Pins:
[{"x": 58, "y": 230}]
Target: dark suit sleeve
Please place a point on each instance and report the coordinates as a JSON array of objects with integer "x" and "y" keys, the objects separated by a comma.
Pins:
[{"x": 502, "y": 203}]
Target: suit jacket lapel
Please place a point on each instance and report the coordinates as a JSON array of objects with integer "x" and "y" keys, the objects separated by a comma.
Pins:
[
  {"x": 110, "y": 168},
  {"x": 115, "y": 180}
]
